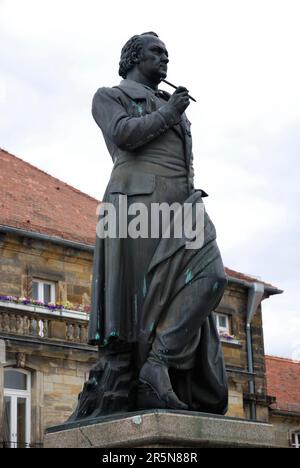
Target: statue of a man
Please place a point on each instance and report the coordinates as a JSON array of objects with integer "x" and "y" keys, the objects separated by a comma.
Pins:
[{"x": 153, "y": 298}]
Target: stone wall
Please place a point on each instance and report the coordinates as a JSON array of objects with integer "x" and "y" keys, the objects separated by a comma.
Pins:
[
  {"x": 22, "y": 259},
  {"x": 59, "y": 369},
  {"x": 57, "y": 376},
  {"x": 234, "y": 303},
  {"x": 284, "y": 425}
]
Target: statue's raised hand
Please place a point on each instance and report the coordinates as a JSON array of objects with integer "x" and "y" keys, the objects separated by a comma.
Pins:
[{"x": 180, "y": 99}]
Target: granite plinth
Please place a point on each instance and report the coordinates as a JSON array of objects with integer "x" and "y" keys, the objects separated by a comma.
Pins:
[{"x": 161, "y": 428}]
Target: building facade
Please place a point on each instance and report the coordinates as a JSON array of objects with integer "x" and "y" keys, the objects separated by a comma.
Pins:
[
  {"x": 47, "y": 234},
  {"x": 283, "y": 383}
]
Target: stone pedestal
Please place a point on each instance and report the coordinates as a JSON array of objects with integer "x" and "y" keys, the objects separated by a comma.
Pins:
[{"x": 161, "y": 429}]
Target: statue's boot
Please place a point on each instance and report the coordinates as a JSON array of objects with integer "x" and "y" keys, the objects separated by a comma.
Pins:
[{"x": 155, "y": 388}]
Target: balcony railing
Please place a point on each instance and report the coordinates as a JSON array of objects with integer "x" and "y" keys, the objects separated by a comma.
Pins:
[
  {"x": 39, "y": 322},
  {"x": 10, "y": 444}
]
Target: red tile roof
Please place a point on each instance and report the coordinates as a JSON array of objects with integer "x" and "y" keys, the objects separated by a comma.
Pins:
[
  {"x": 247, "y": 278},
  {"x": 33, "y": 200},
  {"x": 283, "y": 382}
]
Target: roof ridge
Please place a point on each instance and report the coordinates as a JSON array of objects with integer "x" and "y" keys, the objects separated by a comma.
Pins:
[
  {"x": 246, "y": 274},
  {"x": 49, "y": 175},
  {"x": 281, "y": 358},
  {"x": 249, "y": 278}
]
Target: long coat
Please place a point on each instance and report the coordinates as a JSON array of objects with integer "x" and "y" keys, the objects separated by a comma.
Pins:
[{"x": 135, "y": 280}]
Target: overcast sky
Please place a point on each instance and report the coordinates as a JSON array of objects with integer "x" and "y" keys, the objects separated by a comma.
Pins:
[{"x": 239, "y": 59}]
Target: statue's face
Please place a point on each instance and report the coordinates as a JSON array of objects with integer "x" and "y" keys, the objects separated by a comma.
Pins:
[{"x": 154, "y": 61}]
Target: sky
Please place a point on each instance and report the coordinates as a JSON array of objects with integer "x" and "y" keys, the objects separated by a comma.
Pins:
[{"x": 238, "y": 58}]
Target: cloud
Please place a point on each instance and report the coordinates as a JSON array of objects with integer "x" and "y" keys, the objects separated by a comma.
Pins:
[{"x": 281, "y": 323}]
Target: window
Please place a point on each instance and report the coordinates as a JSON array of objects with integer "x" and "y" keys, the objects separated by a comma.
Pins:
[
  {"x": 16, "y": 380},
  {"x": 296, "y": 440},
  {"x": 222, "y": 322},
  {"x": 43, "y": 291},
  {"x": 17, "y": 408}
]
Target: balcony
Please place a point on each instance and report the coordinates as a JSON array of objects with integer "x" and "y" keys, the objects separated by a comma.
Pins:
[{"x": 43, "y": 324}]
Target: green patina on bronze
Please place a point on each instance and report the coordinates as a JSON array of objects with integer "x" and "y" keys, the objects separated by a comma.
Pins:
[
  {"x": 97, "y": 337},
  {"x": 138, "y": 109},
  {"x": 144, "y": 288},
  {"x": 113, "y": 334},
  {"x": 188, "y": 276}
]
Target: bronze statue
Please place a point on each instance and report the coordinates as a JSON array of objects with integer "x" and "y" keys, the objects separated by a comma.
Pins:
[{"x": 153, "y": 298}]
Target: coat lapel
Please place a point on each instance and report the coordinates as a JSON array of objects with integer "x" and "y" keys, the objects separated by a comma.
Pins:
[
  {"x": 137, "y": 91},
  {"x": 133, "y": 89}
]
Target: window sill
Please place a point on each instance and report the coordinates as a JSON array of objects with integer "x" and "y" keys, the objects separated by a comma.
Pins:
[
  {"x": 66, "y": 313},
  {"x": 234, "y": 343}
]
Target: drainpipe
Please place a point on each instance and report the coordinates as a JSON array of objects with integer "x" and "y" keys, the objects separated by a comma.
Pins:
[{"x": 255, "y": 295}]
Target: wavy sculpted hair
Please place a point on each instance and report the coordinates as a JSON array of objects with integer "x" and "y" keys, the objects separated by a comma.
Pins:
[{"x": 132, "y": 52}]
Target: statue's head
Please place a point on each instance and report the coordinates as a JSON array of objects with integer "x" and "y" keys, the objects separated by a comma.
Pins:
[{"x": 138, "y": 49}]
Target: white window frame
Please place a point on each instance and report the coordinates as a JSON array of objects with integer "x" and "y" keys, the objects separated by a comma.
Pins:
[
  {"x": 14, "y": 394},
  {"x": 219, "y": 327},
  {"x": 41, "y": 284},
  {"x": 295, "y": 439}
]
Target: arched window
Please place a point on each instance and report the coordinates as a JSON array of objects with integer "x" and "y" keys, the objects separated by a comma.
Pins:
[{"x": 17, "y": 401}]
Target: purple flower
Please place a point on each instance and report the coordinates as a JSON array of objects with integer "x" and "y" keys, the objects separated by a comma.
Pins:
[{"x": 50, "y": 306}]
